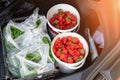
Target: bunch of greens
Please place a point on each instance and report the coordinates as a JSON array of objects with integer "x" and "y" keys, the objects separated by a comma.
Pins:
[
  {"x": 47, "y": 41},
  {"x": 33, "y": 57},
  {"x": 15, "y": 32}
]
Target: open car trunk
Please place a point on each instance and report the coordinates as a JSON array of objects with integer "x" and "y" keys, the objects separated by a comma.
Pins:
[{"x": 94, "y": 14}]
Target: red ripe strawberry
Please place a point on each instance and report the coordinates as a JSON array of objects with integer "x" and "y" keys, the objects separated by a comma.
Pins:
[
  {"x": 54, "y": 49},
  {"x": 76, "y": 46},
  {"x": 71, "y": 52},
  {"x": 62, "y": 27},
  {"x": 57, "y": 41},
  {"x": 75, "y": 40},
  {"x": 56, "y": 15},
  {"x": 72, "y": 47},
  {"x": 63, "y": 57},
  {"x": 76, "y": 53},
  {"x": 60, "y": 44},
  {"x": 60, "y": 18},
  {"x": 80, "y": 45},
  {"x": 69, "y": 43},
  {"x": 75, "y": 57},
  {"x": 65, "y": 51},
  {"x": 60, "y": 23},
  {"x": 64, "y": 40},
  {"x": 56, "y": 46},
  {"x": 68, "y": 21},
  {"x": 69, "y": 38},
  {"x": 70, "y": 60},
  {"x": 52, "y": 20},
  {"x": 73, "y": 17},
  {"x": 63, "y": 20},
  {"x": 57, "y": 54},
  {"x": 67, "y": 13},
  {"x": 71, "y": 25}
]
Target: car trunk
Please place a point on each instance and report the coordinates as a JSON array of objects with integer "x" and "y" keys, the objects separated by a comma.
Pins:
[{"x": 94, "y": 14}]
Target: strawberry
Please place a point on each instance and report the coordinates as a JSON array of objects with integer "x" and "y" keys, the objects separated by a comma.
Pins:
[
  {"x": 79, "y": 59},
  {"x": 67, "y": 13},
  {"x": 63, "y": 57},
  {"x": 64, "y": 51},
  {"x": 52, "y": 20},
  {"x": 69, "y": 38},
  {"x": 56, "y": 46},
  {"x": 82, "y": 51},
  {"x": 63, "y": 20},
  {"x": 80, "y": 45},
  {"x": 60, "y": 44},
  {"x": 70, "y": 60},
  {"x": 71, "y": 25},
  {"x": 54, "y": 49},
  {"x": 60, "y": 18},
  {"x": 69, "y": 43},
  {"x": 64, "y": 40},
  {"x": 61, "y": 23},
  {"x": 68, "y": 21},
  {"x": 57, "y": 41},
  {"x": 76, "y": 53},
  {"x": 56, "y": 16},
  {"x": 71, "y": 52},
  {"x": 75, "y": 57},
  {"x": 75, "y": 40},
  {"x": 72, "y": 47},
  {"x": 57, "y": 54},
  {"x": 62, "y": 27},
  {"x": 73, "y": 17},
  {"x": 74, "y": 22},
  {"x": 76, "y": 46},
  {"x": 56, "y": 21}
]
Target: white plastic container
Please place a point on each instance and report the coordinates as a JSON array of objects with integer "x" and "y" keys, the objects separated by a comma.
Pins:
[
  {"x": 65, "y": 7},
  {"x": 66, "y": 67}
]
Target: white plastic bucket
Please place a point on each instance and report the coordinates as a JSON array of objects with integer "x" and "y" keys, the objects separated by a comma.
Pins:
[
  {"x": 64, "y": 7},
  {"x": 66, "y": 67}
]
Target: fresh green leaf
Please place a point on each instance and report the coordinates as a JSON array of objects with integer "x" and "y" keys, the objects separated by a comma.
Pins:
[
  {"x": 33, "y": 57},
  {"x": 38, "y": 22}
]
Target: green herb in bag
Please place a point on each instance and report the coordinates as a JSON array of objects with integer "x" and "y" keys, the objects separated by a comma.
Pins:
[
  {"x": 15, "y": 32},
  {"x": 33, "y": 57}
]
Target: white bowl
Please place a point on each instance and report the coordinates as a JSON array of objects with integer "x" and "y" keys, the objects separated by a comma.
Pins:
[
  {"x": 64, "y": 7},
  {"x": 66, "y": 67}
]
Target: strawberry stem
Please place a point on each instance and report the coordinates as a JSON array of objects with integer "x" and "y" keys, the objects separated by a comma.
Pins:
[{"x": 59, "y": 10}]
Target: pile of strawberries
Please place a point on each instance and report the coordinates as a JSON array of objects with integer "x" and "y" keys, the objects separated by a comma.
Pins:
[
  {"x": 69, "y": 49},
  {"x": 63, "y": 20}
]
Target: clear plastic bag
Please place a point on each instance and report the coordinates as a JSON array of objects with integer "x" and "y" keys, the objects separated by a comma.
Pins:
[{"x": 24, "y": 38}]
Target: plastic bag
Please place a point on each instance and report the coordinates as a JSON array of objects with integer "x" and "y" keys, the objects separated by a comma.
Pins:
[{"x": 26, "y": 38}]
